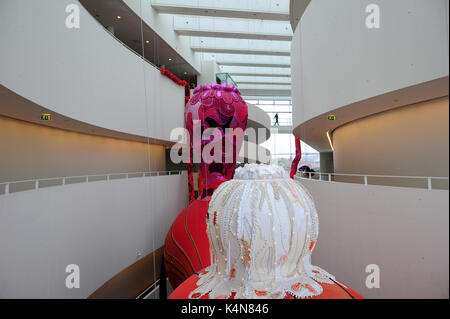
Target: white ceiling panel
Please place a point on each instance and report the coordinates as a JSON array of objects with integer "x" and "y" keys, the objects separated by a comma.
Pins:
[{"x": 247, "y": 9}]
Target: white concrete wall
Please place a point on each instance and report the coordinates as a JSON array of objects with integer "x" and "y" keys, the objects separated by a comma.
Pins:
[
  {"x": 407, "y": 141},
  {"x": 258, "y": 119},
  {"x": 100, "y": 226},
  {"x": 85, "y": 73},
  {"x": 404, "y": 231},
  {"x": 30, "y": 151},
  {"x": 336, "y": 60}
]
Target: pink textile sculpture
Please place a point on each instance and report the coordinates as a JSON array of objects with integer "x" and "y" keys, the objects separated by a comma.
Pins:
[{"x": 217, "y": 107}]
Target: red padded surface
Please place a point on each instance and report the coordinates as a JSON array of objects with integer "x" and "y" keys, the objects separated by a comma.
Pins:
[
  {"x": 187, "y": 246},
  {"x": 330, "y": 291}
]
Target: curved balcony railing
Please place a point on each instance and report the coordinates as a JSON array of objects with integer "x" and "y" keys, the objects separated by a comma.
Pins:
[
  {"x": 34, "y": 184},
  {"x": 405, "y": 181}
]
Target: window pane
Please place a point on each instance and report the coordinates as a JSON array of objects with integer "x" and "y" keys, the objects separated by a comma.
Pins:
[
  {"x": 283, "y": 102},
  {"x": 282, "y": 108},
  {"x": 266, "y": 108},
  {"x": 266, "y": 102}
]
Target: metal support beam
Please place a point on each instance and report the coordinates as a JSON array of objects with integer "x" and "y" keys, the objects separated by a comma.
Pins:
[
  {"x": 257, "y": 65},
  {"x": 221, "y": 12},
  {"x": 272, "y": 75},
  {"x": 265, "y": 83},
  {"x": 238, "y": 51},
  {"x": 233, "y": 35},
  {"x": 265, "y": 92}
]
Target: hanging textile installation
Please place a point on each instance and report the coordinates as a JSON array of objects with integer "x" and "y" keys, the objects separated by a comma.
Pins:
[
  {"x": 212, "y": 109},
  {"x": 297, "y": 158}
]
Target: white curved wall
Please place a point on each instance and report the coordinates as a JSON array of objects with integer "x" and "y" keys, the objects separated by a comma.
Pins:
[
  {"x": 100, "y": 226},
  {"x": 336, "y": 60},
  {"x": 407, "y": 141},
  {"x": 402, "y": 230},
  {"x": 258, "y": 116},
  {"x": 84, "y": 73},
  {"x": 258, "y": 120},
  {"x": 30, "y": 151}
]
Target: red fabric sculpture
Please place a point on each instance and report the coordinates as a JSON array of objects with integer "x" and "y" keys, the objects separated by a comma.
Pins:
[
  {"x": 262, "y": 228},
  {"x": 298, "y": 156},
  {"x": 218, "y": 107},
  {"x": 187, "y": 246},
  {"x": 330, "y": 291}
]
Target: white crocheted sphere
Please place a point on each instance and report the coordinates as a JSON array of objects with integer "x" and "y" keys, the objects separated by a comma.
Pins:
[
  {"x": 259, "y": 171},
  {"x": 262, "y": 227}
]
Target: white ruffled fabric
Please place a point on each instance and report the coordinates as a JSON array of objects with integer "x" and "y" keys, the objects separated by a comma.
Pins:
[{"x": 262, "y": 227}]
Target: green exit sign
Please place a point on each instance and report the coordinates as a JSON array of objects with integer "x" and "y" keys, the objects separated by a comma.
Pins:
[
  {"x": 331, "y": 117},
  {"x": 46, "y": 117}
]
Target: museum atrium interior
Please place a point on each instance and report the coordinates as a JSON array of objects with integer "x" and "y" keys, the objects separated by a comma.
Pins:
[{"x": 354, "y": 92}]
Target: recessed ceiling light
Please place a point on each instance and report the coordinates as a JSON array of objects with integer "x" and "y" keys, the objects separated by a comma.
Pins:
[
  {"x": 185, "y": 72},
  {"x": 148, "y": 41},
  {"x": 170, "y": 59},
  {"x": 119, "y": 17}
]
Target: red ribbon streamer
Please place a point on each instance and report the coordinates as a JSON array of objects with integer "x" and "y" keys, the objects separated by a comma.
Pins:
[{"x": 298, "y": 156}]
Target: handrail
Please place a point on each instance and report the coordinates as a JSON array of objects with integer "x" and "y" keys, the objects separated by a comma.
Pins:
[
  {"x": 365, "y": 177},
  {"x": 86, "y": 178}
]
